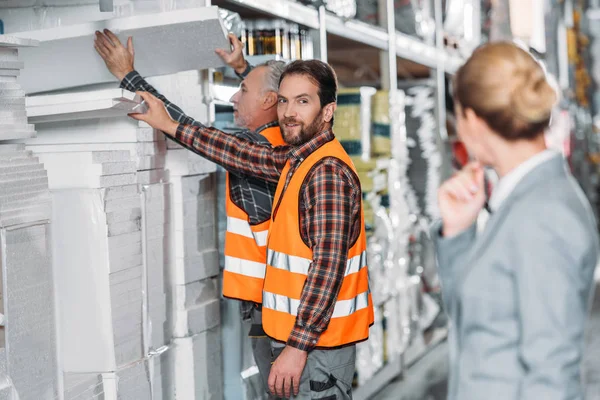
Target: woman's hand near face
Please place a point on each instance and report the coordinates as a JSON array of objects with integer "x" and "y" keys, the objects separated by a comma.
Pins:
[{"x": 461, "y": 198}]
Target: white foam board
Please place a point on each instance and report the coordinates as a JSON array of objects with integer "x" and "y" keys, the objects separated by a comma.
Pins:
[
  {"x": 181, "y": 162},
  {"x": 151, "y": 162},
  {"x": 160, "y": 47},
  {"x": 135, "y": 149},
  {"x": 153, "y": 176},
  {"x": 120, "y": 192},
  {"x": 108, "y": 103},
  {"x": 196, "y": 365},
  {"x": 58, "y": 180},
  {"x": 13, "y": 41},
  {"x": 192, "y": 268},
  {"x": 111, "y": 205},
  {"x": 95, "y": 130},
  {"x": 191, "y": 187},
  {"x": 97, "y": 299},
  {"x": 62, "y": 163},
  {"x": 9, "y": 54}
]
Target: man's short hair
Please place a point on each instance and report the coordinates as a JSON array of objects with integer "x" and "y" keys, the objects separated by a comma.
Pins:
[
  {"x": 320, "y": 73},
  {"x": 274, "y": 71}
]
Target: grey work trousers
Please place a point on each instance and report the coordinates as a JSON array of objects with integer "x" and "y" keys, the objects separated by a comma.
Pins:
[{"x": 328, "y": 373}]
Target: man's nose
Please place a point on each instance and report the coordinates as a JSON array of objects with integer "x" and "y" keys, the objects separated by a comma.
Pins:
[
  {"x": 235, "y": 97},
  {"x": 289, "y": 110}
]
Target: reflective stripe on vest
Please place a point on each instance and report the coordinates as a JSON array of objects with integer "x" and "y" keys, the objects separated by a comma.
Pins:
[
  {"x": 343, "y": 308},
  {"x": 245, "y": 244},
  {"x": 243, "y": 228},
  {"x": 299, "y": 265}
]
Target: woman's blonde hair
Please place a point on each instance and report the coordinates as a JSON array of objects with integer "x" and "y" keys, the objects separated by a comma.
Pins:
[{"x": 506, "y": 87}]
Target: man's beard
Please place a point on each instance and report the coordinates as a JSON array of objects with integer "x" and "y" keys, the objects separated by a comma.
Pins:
[{"x": 306, "y": 133}]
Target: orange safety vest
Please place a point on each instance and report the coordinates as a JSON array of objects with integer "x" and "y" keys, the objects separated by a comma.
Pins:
[
  {"x": 289, "y": 260},
  {"x": 245, "y": 244}
]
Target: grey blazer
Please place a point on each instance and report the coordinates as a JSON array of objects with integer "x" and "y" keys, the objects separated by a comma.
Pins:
[{"x": 518, "y": 295}]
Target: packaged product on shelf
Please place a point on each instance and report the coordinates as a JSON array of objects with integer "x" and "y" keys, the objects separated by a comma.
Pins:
[
  {"x": 381, "y": 142},
  {"x": 423, "y": 147},
  {"x": 278, "y": 38},
  {"x": 353, "y": 121}
]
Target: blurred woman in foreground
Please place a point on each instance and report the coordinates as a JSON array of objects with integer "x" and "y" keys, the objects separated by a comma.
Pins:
[{"x": 518, "y": 292}]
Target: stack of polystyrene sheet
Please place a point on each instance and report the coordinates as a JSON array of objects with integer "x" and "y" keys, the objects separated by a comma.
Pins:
[
  {"x": 28, "y": 363},
  {"x": 97, "y": 252},
  {"x": 13, "y": 117},
  {"x": 194, "y": 297}
]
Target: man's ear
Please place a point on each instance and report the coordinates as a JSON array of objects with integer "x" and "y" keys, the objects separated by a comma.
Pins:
[
  {"x": 269, "y": 100},
  {"x": 328, "y": 112}
]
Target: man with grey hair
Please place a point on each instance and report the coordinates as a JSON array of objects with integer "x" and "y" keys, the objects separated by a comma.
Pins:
[{"x": 248, "y": 199}]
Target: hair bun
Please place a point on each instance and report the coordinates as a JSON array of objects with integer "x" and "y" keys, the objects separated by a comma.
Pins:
[{"x": 533, "y": 97}]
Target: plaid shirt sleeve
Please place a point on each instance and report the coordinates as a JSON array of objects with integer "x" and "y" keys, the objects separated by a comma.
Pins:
[
  {"x": 134, "y": 82},
  {"x": 330, "y": 222},
  {"x": 235, "y": 154}
]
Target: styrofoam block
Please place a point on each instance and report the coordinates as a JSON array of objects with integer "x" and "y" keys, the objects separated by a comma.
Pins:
[
  {"x": 125, "y": 262},
  {"x": 190, "y": 187},
  {"x": 83, "y": 386},
  {"x": 195, "y": 293},
  {"x": 120, "y": 192},
  {"x": 125, "y": 275},
  {"x": 22, "y": 180},
  {"x": 121, "y": 228},
  {"x": 199, "y": 266},
  {"x": 133, "y": 382},
  {"x": 111, "y": 205},
  {"x": 14, "y": 41},
  {"x": 124, "y": 215},
  {"x": 129, "y": 351},
  {"x": 87, "y": 131},
  {"x": 20, "y": 169},
  {"x": 196, "y": 319},
  {"x": 191, "y": 213},
  {"x": 85, "y": 170},
  {"x": 10, "y": 196},
  {"x": 64, "y": 163},
  {"x": 196, "y": 365},
  {"x": 135, "y": 149},
  {"x": 150, "y": 177},
  {"x": 128, "y": 239},
  {"x": 160, "y": 47},
  {"x": 8, "y": 54},
  {"x": 29, "y": 306},
  {"x": 58, "y": 180},
  {"x": 151, "y": 162},
  {"x": 17, "y": 134},
  {"x": 109, "y": 103},
  {"x": 182, "y": 162},
  {"x": 148, "y": 134},
  {"x": 82, "y": 157},
  {"x": 193, "y": 241},
  {"x": 12, "y": 92}
]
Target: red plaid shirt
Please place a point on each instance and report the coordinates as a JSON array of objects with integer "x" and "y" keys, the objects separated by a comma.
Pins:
[{"x": 329, "y": 213}]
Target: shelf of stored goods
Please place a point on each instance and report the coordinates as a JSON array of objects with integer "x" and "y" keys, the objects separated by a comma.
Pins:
[{"x": 406, "y": 46}]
